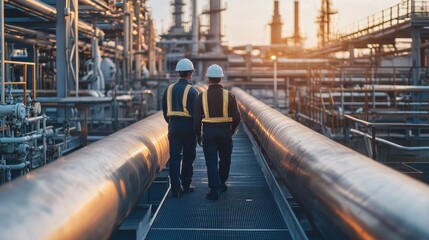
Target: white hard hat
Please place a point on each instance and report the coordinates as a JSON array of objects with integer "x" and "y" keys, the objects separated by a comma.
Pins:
[
  {"x": 214, "y": 71},
  {"x": 184, "y": 65}
]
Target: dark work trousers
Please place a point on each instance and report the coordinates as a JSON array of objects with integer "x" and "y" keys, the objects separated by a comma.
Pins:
[
  {"x": 181, "y": 137},
  {"x": 217, "y": 141}
]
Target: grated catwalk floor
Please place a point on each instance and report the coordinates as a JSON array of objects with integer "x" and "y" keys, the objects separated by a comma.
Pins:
[{"x": 246, "y": 211}]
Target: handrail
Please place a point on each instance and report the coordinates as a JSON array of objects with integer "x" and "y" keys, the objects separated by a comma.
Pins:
[
  {"x": 387, "y": 125},
  {"x": 345, "y": 194},
  {"x": 375, "y": 126},
  {"x": 24, "y": 82},
  {"x": 387, "y": 18},
  {"x": 392, "y": 144}
]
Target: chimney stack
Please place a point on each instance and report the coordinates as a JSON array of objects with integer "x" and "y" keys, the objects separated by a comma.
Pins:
[
  {"x": 296, "y": 35},
  {"x": 276, "y": 25}
]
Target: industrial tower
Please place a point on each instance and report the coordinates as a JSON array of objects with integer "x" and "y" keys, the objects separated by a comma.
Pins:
[
  {"x": 324, "y": 21},
  {"x": 276, "y": 25}
]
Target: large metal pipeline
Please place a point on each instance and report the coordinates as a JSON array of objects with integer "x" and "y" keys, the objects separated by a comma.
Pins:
[
  {"x": 87, "y": 193},
  {"x": 35, "y": 33},
  {"x": 99, "y": 5},
  {"x": 47, "y": 11},
  {"x": 345, "y": 194},
  {"x": 39, "y": 8},
  {"x": 18, "y": 38}
]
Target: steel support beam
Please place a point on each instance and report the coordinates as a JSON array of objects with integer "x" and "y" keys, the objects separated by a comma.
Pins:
[
  {"x": 415, "y": 54},
  {"x": 72, "y": 44},
  {"x": 2, "y": 49},
  {"x": 61, "y": 52},
  {"x": 127, "y": 41},
  {"x": 67, "y": 57},
  {"x": 138, "y": 5}
]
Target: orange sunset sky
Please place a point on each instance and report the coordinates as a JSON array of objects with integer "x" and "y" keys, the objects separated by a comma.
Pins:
[{"x": 246, "y": 21}]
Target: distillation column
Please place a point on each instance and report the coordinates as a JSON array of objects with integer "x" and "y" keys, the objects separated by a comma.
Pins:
[{"x": 178, "y": 13}]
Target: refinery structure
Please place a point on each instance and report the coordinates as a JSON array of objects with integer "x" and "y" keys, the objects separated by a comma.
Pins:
[{"x": 334, "y": 142}]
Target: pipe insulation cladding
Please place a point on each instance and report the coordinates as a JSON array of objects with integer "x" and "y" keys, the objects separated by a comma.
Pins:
[
  {"x": 346, "y": 195},
  {"x": 86, "y": 194}
]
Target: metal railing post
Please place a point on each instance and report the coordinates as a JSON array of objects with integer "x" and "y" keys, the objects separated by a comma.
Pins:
[{"x": 373, "y": 145}]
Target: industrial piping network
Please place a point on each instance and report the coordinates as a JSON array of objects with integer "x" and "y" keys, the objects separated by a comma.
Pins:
[
  {"x": 46, "y": 11},
  {"x": 86, "y": 194},
  {"x": 345, "y": 194}
]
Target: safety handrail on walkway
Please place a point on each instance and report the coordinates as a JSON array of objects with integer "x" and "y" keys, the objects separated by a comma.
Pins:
[
  {"x": 345, "y": 194},
  {"x": 373, "y": 135},
  {"x": 25, "y": 77},
  {"x": 387, "y": 18}
]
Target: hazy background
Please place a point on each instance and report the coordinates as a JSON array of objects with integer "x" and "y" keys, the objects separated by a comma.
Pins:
[{"x": 246, "y": 21}]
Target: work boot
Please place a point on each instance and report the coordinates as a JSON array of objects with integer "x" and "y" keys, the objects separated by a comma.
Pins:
[
  {"x": 213, "y": 195},
  {"x": 223, "y": 187},
  {"x": 177, "y": 191},
  {"x": 188, "y": 189}
]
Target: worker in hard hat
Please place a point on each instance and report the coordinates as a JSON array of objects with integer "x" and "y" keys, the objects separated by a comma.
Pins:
[
  {"x": 218, "y": 116},
  {"x": 178, "y": 106}
]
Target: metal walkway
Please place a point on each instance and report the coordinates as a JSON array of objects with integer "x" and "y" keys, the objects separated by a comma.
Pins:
[{"x": 246, "y": 211}]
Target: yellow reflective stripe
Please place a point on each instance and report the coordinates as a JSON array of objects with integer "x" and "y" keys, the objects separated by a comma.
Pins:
[
  {"x": 205, "y": 105},
  {"x": 225, "y": 118},
  {"x": 170, "y": 112},
  {"x": 169, "y": 99},
  {"x": 179, "y": 114},
  {"x": 225, "y": 103},
  {"x": 185, "y": 99},
  {"x": 217, "y": 120}
]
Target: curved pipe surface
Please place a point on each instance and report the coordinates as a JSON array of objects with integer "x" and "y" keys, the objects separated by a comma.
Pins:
[
  {"x": 15, "y": 166},
  {"x": 47, "y": 11},
  {"x": 16, "y": 30},
  {"x": 17, "y": 38},
  {"x": 100, "y": 6},
  {"x": 15, "y": 140},
  {"x": 36, "y": 7},
  {"x": 87, "y": 193},
  {"x": 345, "y": 194}
]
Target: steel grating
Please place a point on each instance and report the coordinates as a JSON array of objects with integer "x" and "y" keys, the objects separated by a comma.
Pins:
[
  {"x": 246, "y": 211},
  {"x": 218, "y": 234}
]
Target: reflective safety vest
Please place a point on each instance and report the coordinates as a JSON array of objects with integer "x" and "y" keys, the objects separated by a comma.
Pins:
[
  {"x": 225, "y": 117},
  {"x": 170, "y": 112}
]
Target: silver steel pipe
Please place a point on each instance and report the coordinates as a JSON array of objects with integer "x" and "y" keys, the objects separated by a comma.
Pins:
[
  {"x": 37, "y": 7},
  {"x": 47, "y": 11},
  {"x": 15, "y": 166},
  {"x": 87, "y": 193},
  {"x": 345, "y": 194},
  {"x": 99, "y": 5},
  {"x": 15, "y": 140},
  {"x": 16, "y": 110},
  {"x": 36, "y": 34},
  {"x": 17, "y": 38},
  {"x": 35, "y": 119}
]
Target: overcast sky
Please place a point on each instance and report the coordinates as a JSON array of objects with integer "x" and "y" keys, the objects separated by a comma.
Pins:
[{"x": 246, "y": 21}]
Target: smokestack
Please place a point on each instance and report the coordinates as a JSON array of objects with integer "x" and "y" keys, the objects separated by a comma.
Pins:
[
  {"x": 276, "y": 25},
  {"x": 215, "y": 23},
  {"x": 194, "y": 28},
  {"x": 297, "y": 35}
]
